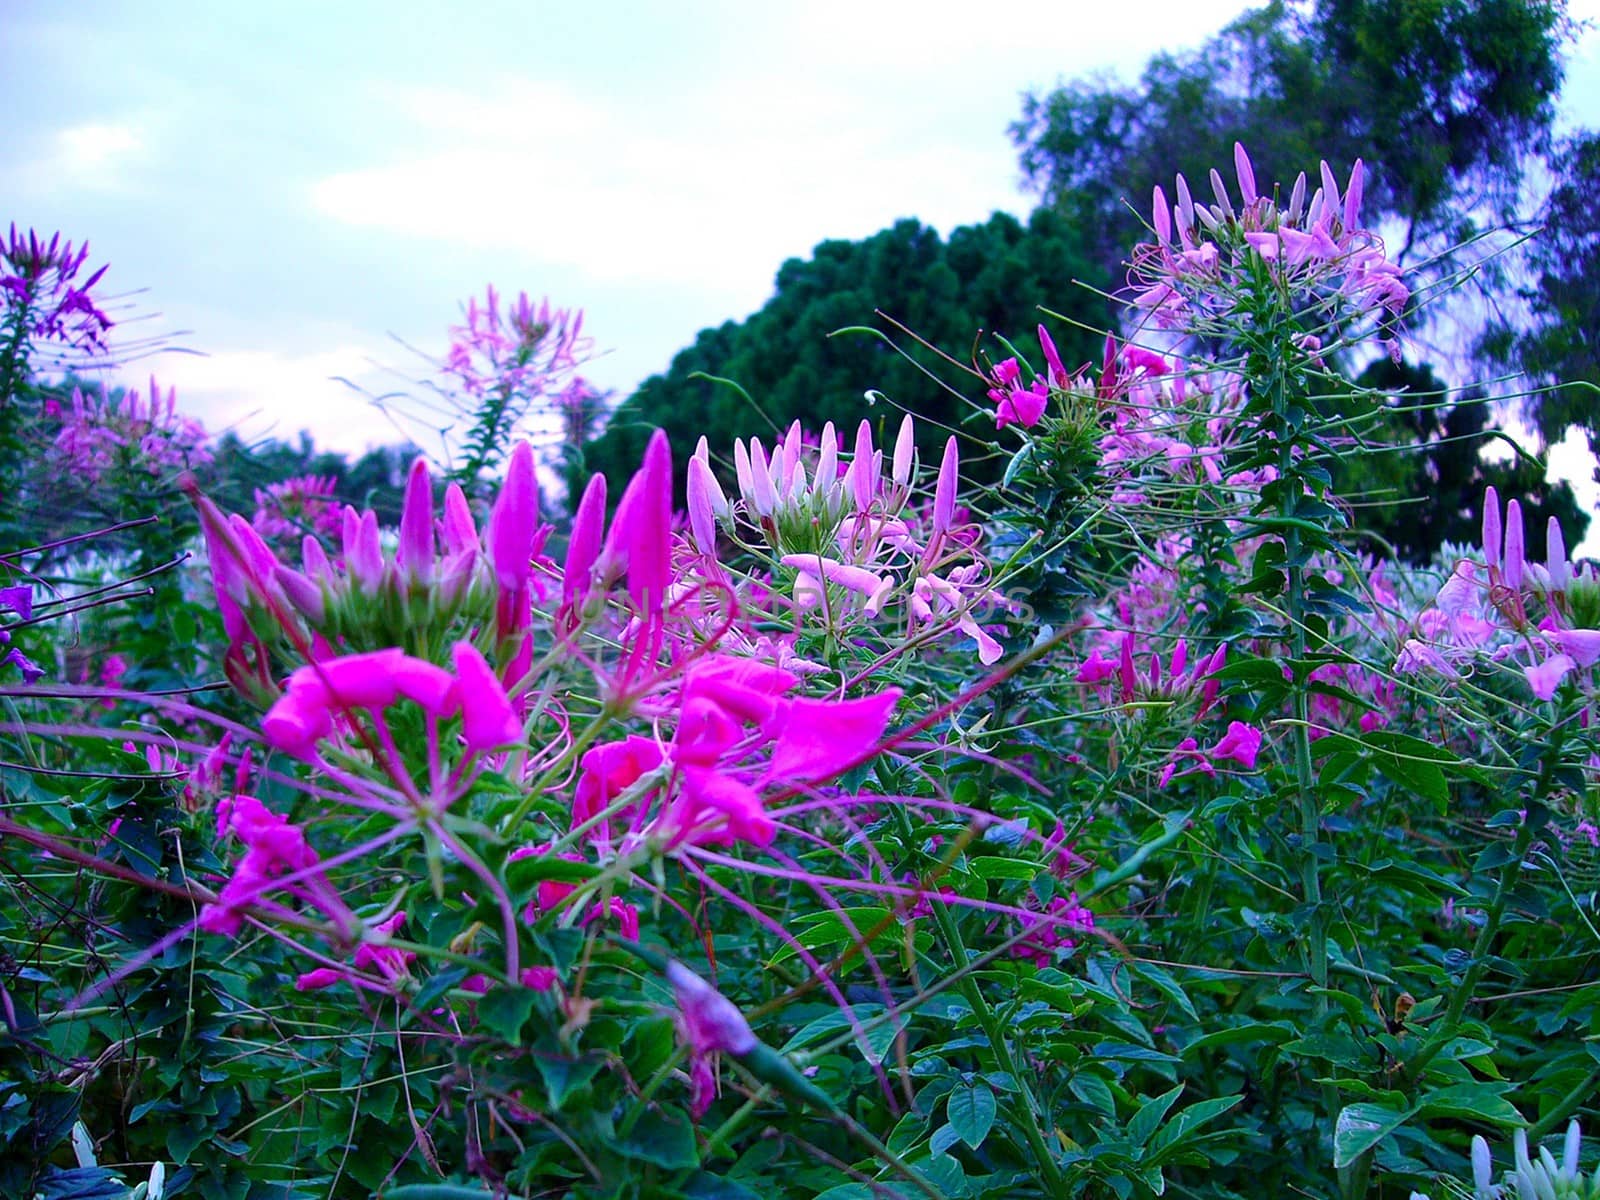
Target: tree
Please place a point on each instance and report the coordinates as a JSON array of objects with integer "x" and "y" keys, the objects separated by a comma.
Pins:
[
  {"x": 1448, "y": 102},
  {"x": 1427, "y": 488},
  {"x": 1559, "y": 341},
  {"x": 793, "y": 363}
]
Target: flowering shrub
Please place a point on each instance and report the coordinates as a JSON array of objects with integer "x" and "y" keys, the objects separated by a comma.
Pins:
[{"x": 855, "y": 832}]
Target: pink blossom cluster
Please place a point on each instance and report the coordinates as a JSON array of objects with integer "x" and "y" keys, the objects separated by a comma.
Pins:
[
  {"x": 847, "y": 534},
  {"x": 303, "y": 504},
  {"x": 38, "y": 279},
  {"x": 1062, "y": 917},
  {"x": 439, "y": 570},
  {"x": 1204, "y": 257},
  {"x": 1171, "y": 424},
  {"x": 738, "y": 733},
  {"x": 99, "y": 434},
  {"x": 319, "y": 694},
  {"x": 1544, "y": 618},
  {"x": 519, "y": 349}
]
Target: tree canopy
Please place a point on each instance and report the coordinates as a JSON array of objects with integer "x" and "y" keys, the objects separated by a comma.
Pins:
[
  {"x": 793, "y": 363},
  {"x": 1447, "y": 101}
]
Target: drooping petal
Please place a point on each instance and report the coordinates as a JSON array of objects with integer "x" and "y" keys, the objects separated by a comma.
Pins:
[
  {"x": 488, "y": 721},
  {"x": 820, "y": 738}
]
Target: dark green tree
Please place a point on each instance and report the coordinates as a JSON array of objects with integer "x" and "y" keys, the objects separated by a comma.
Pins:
[{"x": 793, "y": 363}]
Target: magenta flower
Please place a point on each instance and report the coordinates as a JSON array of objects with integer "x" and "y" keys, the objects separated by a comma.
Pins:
[
  {"x": 1242, "y": 743},
  {"x": 389, "y": 964},
  {"x": 1019, "y": 405},
  {"x": 710, "y": 1024},
  {"x": 488, "y": 721}
]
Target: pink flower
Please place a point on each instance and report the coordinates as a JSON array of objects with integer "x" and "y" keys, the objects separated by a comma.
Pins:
[
  {"x": 1241, "y": 743},
  {"x": 487, "y": 719},
  {"x": 1021, "y": 406},
  {"x": 1545, "y": 677},
  {"x": 711, "y": 1024},
  {"x": 1582, "y": 646}
]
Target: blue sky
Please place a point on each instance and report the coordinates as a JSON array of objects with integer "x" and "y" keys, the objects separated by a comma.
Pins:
[{"x": 295, "y": 182}]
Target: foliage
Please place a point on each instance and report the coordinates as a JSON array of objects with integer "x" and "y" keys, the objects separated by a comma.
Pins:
[
  {"x": 1111, "y": 828},
  {"x": 1556, "y": 345},
  {"x": 807, "y": 354}
]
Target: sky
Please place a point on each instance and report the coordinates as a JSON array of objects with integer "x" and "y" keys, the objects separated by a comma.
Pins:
[{"x": 301, "y": 192}]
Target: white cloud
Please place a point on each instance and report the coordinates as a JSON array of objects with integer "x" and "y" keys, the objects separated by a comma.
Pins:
[
  {"x": 717, "y": 194},
  {"x": 267, "y": 393},
  {"x": 91, "y": 157}
]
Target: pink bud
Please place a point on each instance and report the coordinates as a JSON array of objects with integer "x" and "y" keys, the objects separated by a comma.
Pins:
[
  {"x": 460, "y": 530},
  {"x": 1512, "y": 571},
  {"x": 1052, "y": 358},
  {"x": 1556, "y": 564},
  {"x": 703, "y": 495},
  {"x": 1220, "y": 190},
  {"x": 1491, "y": 527},
  {"x": 828, "y": 460},
  {"x": 944, "y": 492},
  {"x": 583, "y": 546},
  {"x": 762, "y": 492},
  {"x": 1352, "y": 196},
  {"x": 641, "y": 529},
  {"x": 1297, "y": 199},
  {"x": 1161, "y": 216},
  {"x": 513, "y": 519},
  {"x": 1330, "y": 189},
  {"x": 414, "y": 556},
  {"x": 865, "y": 479},
  {"x": 363, "y": 550},
  {"x": 314, "y": 560},
  {"x": 302, "y": 593},
  {"x": 1246, "y": 173},
  {"x": 905, "y": 449},
  {"x": 1125, "y": 670}
]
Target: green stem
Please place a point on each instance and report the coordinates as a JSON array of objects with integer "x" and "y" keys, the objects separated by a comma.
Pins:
[
  {"x": 1034, "y": 1134},
  {"x": 1565, "y": 1107},
  {"x": 1480, "y": 951}
]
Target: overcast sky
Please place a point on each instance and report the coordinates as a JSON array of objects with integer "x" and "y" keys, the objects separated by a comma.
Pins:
[{"x": 294, "y": 182}]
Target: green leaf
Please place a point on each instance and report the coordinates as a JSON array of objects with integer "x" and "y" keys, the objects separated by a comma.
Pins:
[
  {"x": 1359, "y": 1128},
  {"x": 503, "y": 1010},
  {"x": 1473, "y": 1102},
  {"x": 971, "y": 1111},
  {"x": 1185, "y": 1124},
  {"x": 563, "y": 1076},
  {"x": 1167, "y": 986},
  {"x": 1148, "y": 1119},
  {"x": 663, "y": 1139}
]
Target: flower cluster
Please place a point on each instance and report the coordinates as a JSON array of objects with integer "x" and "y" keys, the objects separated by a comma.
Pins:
[
  {"x": 1204, "y": 256},
  {"x": 848, "y": 538},
  {"x": 1543, "y": 617},
  {"x": 522, "y": 349},
  {"x": 304, "y": 504},
  {"x": 39, "y": 280},
  {"x": 100, "y": 434}
]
